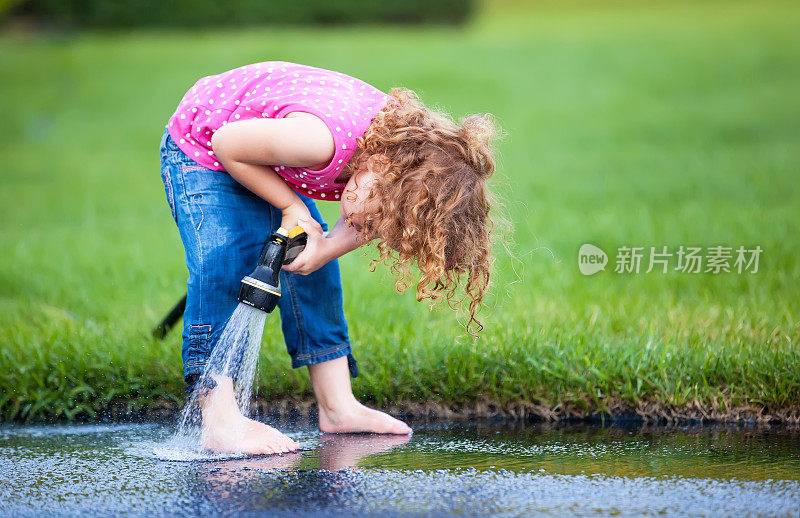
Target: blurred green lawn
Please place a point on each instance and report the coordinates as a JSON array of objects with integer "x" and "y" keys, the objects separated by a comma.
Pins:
[{"x": 628, "y": 124}]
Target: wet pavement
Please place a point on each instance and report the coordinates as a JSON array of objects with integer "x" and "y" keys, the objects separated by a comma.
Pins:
[{"x": 445, "y": 469}]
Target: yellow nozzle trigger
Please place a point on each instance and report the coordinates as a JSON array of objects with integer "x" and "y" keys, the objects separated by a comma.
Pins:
[
  {"x": 296, "y": 231},
  {"x": 289, "y": 234}
]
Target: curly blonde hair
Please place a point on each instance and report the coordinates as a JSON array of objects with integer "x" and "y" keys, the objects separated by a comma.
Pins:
[{"x": 432, "y": 202}]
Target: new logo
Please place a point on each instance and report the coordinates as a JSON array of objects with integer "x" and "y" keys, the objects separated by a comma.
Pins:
[{"x": 591, "y": 259}]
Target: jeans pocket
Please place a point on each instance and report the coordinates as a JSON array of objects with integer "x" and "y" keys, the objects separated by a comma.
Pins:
[
  {"x": 195, "y": 180},
  {"x": 167, "y": 179}
]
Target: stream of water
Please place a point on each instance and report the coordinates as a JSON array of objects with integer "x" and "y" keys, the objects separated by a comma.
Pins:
[
  {"x": 443, "y": 469},
  {"x": 236, "y": 356}
]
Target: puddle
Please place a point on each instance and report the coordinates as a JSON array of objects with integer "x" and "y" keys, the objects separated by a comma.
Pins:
[{"x": 464, "y": 470}]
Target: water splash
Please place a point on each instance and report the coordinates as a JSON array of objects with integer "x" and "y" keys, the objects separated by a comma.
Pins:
[{"x": 235, "y": 355}]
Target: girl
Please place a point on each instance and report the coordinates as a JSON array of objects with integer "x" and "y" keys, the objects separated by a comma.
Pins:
[{"x": 250, "y": 150}]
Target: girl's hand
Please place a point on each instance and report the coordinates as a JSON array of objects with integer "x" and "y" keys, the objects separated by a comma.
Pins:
[
  {"x": 293, "y": 213},
  {"x": 315, "y": 254}
]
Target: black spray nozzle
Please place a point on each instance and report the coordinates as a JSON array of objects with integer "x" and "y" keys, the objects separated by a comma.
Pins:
[{"x": 261, "y": 288}]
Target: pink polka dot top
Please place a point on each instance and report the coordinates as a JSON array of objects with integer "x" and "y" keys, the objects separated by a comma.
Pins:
[{"x": 274, "y": 89}]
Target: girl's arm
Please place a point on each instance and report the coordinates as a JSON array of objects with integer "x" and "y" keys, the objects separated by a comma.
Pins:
[
  {"x": 322, "y": 249},
  {"x": 341, "y": 239},
  {"x": 247, "y": 148}
]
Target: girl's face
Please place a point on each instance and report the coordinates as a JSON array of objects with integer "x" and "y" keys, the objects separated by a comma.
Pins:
[{"x": 353, "y": 206}]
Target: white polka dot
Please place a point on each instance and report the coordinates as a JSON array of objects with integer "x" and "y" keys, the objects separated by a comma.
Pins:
[
  {"x": 337, "y": 196},
  {"x": 349, "y": 134},
  {"x": 216, "y": 164},
  {"x": 194, "y": 110},
  {"x": 196, "y": 153},
  {"x": 303, "y": 186},
  {"x": 338, "y": 128},
  {"x": 209, "y": 142},
  {"x": 210, "y": 153},
  {"x": 211, "y": 101},
  {"x": 344, "y": 146},
  {"x": 237, "y": 116},
  {"x": 183, "y": 115},
  {"x": 208, "y": 112},
  {"x": 183, "y": 141},
  {"x": 323, "y": 194}
]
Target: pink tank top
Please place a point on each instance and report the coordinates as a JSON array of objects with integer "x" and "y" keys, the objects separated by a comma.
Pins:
[{"x": 274, "y": 89}]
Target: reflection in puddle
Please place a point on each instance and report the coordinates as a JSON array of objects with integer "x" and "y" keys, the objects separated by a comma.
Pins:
[{"x": 468, "y": 470}]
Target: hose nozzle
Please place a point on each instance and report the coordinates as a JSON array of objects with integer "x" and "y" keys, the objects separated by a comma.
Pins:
[{"x": 261, "y": 288}]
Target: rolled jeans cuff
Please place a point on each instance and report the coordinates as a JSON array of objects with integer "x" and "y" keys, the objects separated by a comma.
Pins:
[{"x": 324, "y": 355}]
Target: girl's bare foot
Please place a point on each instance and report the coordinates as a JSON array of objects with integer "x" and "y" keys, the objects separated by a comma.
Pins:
[
  {"x": 355, "y": 417},
  {"x": 226, "y": 430},
  {"x": 339, "y": 411}
]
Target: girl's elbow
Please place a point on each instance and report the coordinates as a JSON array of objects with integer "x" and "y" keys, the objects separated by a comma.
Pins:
[{"x": 219, "y": 143}]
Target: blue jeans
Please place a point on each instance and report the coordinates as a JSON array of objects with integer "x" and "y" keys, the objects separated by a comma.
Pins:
[{"x": 223, "y": 227}]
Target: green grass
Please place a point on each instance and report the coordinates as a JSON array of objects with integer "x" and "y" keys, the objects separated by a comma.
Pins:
[{"x": 628, "y": 124}]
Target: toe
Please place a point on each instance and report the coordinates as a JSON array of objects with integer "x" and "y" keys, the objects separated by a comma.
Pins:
[
  {"x": 401, "y": 428},
  {"x": 268, "y": 450}
]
